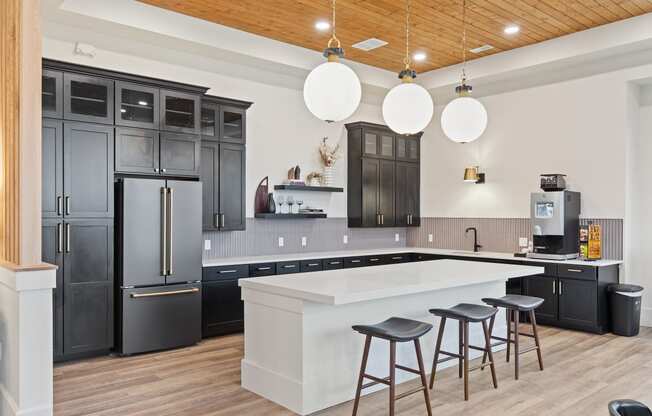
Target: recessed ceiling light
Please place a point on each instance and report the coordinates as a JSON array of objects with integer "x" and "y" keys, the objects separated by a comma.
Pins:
[
  {"x": 322, "y": 25},
  {"x": 511, "y": 29},
  {"x": 419, "y": 56}
]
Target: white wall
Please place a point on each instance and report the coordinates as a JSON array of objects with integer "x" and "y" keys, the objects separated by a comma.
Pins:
[
  {"x": 281, "y": 132},
  {"x": 575, "y": 127}
]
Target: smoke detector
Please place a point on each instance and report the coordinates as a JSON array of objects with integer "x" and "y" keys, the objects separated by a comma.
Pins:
[
  {"x": 369, "y": 44},
  {"x": 481, "y": 49}
]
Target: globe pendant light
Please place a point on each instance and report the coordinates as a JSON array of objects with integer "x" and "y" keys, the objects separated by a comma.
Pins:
[
  {"x": 407, "y": 108},
  {"x": 464, "y": 119},
  {"x": 332, "y": 91}
]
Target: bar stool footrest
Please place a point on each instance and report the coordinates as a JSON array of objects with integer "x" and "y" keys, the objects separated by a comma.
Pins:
[
  {"x": 409, "y": 392},
  {"x": 533, "y": 348}
]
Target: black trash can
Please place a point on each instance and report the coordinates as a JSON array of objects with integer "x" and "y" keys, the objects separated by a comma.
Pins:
[{"x": 625, "y": 302}]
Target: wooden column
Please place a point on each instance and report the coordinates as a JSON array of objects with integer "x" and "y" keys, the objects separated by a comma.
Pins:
[{"x": 20, "y": 132}]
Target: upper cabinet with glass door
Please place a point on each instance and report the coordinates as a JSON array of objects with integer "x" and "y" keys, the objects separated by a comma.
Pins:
[
  {"x": 52, "y": 93},
  {"x": 232, "y": 126},
  {"x": 407, "y": 148},
  {"x": 136, "y": 106},
  {"x": 180, "y": 112},
  {"x": 224, "y": 119},
  {"x": 210, "y": 116},
  {"x": 88, "y": 98},
  {"x": 378, "y": 144}
]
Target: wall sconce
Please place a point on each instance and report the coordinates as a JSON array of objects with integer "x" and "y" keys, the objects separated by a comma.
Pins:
[{"x": 472, "y": 174}]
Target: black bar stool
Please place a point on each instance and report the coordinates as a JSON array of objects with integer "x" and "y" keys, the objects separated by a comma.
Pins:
[
  {"x": 394, "y": 330},
  {"x": 464, "y": 313},
  {"x": 514, "y": 305}
]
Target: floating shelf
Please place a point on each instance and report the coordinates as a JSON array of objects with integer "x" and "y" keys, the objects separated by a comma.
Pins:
[
  {"x": 308, "y": 188},
  {"x": 270, "y": 216}
]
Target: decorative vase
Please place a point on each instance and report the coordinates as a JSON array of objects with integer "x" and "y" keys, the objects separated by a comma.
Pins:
[
  {"x": 329, "y": 174},
  {"x": 271, "y": 205}
]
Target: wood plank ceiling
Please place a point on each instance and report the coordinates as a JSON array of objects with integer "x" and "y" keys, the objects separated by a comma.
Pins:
[{"x": 436, "y": 24}]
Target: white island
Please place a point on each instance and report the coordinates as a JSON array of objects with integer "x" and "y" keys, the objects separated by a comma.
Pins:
[{"x": 300, "y": 350}]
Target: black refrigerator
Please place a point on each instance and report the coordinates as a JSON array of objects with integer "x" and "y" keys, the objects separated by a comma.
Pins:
[{"x": 159, "y": 264}]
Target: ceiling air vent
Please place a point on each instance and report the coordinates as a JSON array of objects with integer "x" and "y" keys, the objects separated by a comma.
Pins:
[
  {"x": 481, "y": 49},
  {"x": 370, "y": 44}
]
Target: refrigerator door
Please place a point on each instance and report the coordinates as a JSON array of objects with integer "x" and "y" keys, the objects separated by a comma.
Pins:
[
  {"x": 158, "y": 318},
  {"x": 185, "y": 232},
  {"x": 142, "y": 211}
]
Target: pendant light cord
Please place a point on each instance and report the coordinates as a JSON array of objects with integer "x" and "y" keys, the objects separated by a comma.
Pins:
[
  {"x": 407, "y": 60},
  {"x": 463, "y": 41},
  {"x": 333, "y": 37}
]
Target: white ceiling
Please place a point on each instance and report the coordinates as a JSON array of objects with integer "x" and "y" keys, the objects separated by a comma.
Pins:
[{"x": 126, "y": 26}]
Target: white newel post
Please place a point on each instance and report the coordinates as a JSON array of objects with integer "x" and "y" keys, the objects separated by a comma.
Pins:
[{"x": 26, "y": 342}]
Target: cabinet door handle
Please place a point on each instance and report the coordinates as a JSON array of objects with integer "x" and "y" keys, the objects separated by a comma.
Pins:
[
  {"x": 373, "y": 260},
  {"x": 67, "y": 238},
  {"x": 355, "y": 261},
  {"x": 222, "y": 220},
  {"x": 554, "y": 287},
  {"x": 377, "y": 219},
  {"x": 164, "y": 170},
  {"x": 289, "y": 266},
  {"x": 216, "y": 220},
  {"x": 574, "y": 271},
  {"x": 397, "y": 258},
  {"x": 333, "y": 263},
  {"x": 313, "y": 264},
  {"x": 67, "y": 205},
  {"x": 262, "y": 269},
  {"x": 227, "y": 271},
  {"x": 60, "y": 238},
  {"x": 59, "y": 205},
  {"x": 156, "y": 170},
  {"x": 561, "y": 286}
]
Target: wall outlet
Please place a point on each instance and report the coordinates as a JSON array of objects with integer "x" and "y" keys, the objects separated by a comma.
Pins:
[
  {"x": 522, "y": 242},
  {"x": 397, "y": 237},
  {"x": 430, "y": 238},
  {"x": 281, "y": 242},
  {"x": 345, "y": 239},
  {"x": 304, "y": 241},
  {"x": 207, "y": 245}
]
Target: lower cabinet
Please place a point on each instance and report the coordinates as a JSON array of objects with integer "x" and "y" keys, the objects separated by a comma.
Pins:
[
  {"x": 222, "y": 308},
  {"x": 544, "y": 287},
  {"x": 578, "y": 300},
  {"x": 83, "y": 300}
]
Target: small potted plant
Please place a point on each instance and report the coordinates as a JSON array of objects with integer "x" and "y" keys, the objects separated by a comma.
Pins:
[{"x": 329, "y": 156}]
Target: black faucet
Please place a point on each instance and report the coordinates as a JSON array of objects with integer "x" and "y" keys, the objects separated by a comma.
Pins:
[{"x": 476, "y": 246}]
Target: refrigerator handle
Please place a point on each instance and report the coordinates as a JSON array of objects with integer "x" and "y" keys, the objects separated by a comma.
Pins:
[
  {"x": 164, "y": 236},
  {"x": 170, "y": 232}
]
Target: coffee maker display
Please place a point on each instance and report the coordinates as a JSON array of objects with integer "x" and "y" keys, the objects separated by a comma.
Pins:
[{"x": 555, "y": 220}]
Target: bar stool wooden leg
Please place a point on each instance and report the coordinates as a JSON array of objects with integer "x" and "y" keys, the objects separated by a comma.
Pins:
[
  {"x": 508, "y": 312},
  {"x": 491, "y": 331},
  {"x": 535, "y": 332},
  {"x": 516, "y": 345},
  {"x": 422, "y": 372},
  {"x": 466, "y": 360},
  {"x": 459, "y": 351},
  {"x": 363, "y": 369},
  {"x": 440, "y": 336},
  {"x": 392, "y": 376},
  {"x": 487, "y": 338}
]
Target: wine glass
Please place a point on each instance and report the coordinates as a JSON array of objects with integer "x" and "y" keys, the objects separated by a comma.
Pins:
[
  {"x": 280, "y": 200},
  {"x": 299, "y": 203},
  {"x": 290, "y": 203}
]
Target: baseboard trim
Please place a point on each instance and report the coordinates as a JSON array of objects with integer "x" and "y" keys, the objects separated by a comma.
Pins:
[{"x": 9, "y": 407}]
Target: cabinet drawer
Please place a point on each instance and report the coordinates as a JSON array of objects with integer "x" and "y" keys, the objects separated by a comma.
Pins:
[
  {"x": 333, "y": 264},
  {"x": 285, "y": 267},
  {"x": 225, "y": 272},
  {"x": 311, "y": 265},
  {"x": 262, "y": 269},
  {"x": 375, "y": 260},
  {"x": 398, "y": 258},
  {"x": 350, "y": 262},
  {"x": 577, "y": 272}
]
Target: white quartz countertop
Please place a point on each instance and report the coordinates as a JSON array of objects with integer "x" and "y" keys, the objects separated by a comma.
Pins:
[
  {"x": 337, "y": 287},
  {"x": 226, "y": 261}
]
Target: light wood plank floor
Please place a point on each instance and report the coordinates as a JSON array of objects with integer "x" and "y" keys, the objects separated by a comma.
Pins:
[{"x": 583, "y": 373}]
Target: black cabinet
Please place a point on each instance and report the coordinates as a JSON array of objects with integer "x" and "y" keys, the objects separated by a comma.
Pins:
[
  {"x": 136, "y": 105},
  {"x": 136, "y": 151},
  {"x": 88, "y": 98},
  {"x": 222, "y": 308},
  {"x": 544, "y": 287},
  {"x": 180, "y": 154},
  {"x": 209, "y": 177},
  {"x": 52, "y": 169},
  {"x": 232, "y": 124},
  {"x": 180, "y": 112},
  {"x": 52, "y": 241},
  {"x": 52, "y": 94},
  {"x": 210, "y": 120},
  {"x": 88, "y": 170},
  {"x": 288, "y": 267},
  {"x": 383, "y": 189},
  {"x": 88, "y": 286},
  {"x": 408, "y": 194},
  {"x": 578, "y": 302}
]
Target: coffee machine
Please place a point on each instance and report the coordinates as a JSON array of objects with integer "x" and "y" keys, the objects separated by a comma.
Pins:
[{"x": 555, "y": 225}]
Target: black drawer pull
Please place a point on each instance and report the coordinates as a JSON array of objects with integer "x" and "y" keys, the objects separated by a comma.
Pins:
[
  {"x": 262, "y": 269},
  {"x": 397, "y": 258},
  {"x": 333, "y": 262},
  {"x": 355, "y": 261},
  {"x": 289, "y": 266},
  {"x": 228, "y": 271},
  {"x": 313, "y": 264},
  {"x": 374, "y": 259}
]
